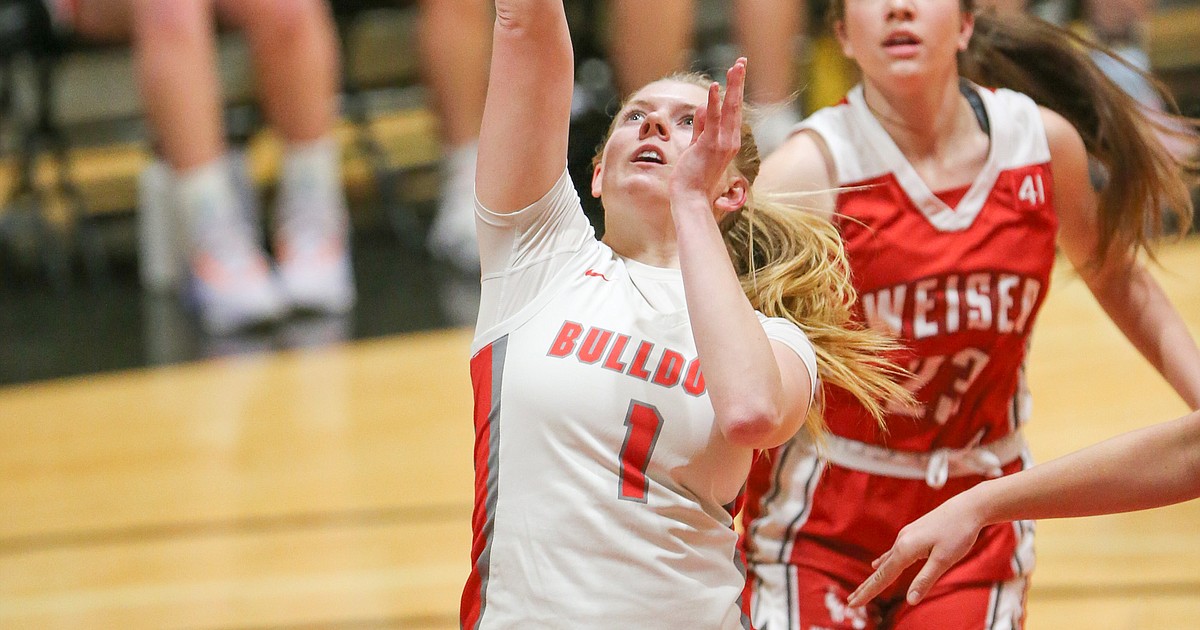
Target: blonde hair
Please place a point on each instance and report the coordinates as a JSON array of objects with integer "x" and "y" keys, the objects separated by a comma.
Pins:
[{"x": 792, "y": 264}]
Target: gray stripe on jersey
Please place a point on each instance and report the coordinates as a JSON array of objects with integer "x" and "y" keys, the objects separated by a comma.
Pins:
[{"x": 499, "y": 350}]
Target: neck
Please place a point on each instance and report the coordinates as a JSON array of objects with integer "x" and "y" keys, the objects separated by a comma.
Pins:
[
  {"x": 920, "y": 122},
  {"x": 647, "y": 236}
]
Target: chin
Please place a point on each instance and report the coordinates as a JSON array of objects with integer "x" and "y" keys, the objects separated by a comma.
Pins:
[{"x": 644, "y": 185}]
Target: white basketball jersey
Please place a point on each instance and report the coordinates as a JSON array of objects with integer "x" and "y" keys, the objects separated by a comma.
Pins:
[{"x": 604, "y": 490}]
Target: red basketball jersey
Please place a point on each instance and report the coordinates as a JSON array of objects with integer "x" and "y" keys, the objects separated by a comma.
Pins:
[{"x": 960, "y": 284}]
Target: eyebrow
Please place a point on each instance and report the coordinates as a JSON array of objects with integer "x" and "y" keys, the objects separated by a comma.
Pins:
[{"x": 676, "y": 104}]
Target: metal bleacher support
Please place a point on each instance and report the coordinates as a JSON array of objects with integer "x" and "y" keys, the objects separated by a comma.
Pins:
[
  {"x": 42, "y": 186},
  {"x": 73, "y": 140}
]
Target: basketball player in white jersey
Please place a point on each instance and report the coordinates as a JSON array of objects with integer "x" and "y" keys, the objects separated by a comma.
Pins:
[
  {"x": 951, "y": 199},
  {"x": 622, "y": 387}
]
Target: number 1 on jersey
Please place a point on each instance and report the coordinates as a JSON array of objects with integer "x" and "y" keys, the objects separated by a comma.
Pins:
[{"x": 644, "y": 424}]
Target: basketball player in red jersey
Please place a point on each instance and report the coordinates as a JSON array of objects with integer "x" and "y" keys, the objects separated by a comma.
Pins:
[
  {"x": 623, "y": 386},
  {"x": 952, "y": 199}
]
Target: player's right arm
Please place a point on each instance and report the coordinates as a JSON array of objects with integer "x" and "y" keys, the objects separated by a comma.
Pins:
[{"x": 523, "y": 140}]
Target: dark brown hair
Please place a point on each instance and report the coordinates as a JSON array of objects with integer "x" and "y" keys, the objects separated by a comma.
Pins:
[{"x": 1144, "y": 181}]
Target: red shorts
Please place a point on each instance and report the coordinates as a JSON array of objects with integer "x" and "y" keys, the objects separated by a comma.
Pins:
[
  {"x": 852, "y": 518},
  {"x": 791, "y": 597}
]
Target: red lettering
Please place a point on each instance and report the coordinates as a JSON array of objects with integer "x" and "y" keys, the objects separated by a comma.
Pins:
[
  {"x": 613, "y": 360},
  {"x": 638, "y": 368},
  {"x": 564, "y": 343},
  {"x": 594, "y": 345},
  {"x": 669, "y": 368},
  {"x": 693, "y": 382}
]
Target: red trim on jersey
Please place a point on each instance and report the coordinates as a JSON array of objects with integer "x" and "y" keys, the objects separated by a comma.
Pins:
[
  {"x": 953, "y": 196},
  {"x": 481, "y": 378}
]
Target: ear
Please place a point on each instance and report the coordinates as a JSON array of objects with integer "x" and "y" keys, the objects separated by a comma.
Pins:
[
  {"x": 597, "y": 178},
  {"x": 839, "y": 31},
  {"x": 734, "y": 196},
  {"x": 966, "y": 29}
]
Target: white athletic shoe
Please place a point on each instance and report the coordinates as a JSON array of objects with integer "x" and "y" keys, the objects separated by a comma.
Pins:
[
  {"x": 232, "y": 283},
  {"x": 231, "y": 278},
  {"x": 452, "y": 235},
  {"x": 313, "y": 250}
]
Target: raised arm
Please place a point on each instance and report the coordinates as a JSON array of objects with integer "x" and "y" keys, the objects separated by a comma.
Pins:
[
  {"x": 1126, "y": 291},
  {"x": 760, "y": 389},
  {"x": 523, "y": 140},
  {"x": 1151, "y": 467}
]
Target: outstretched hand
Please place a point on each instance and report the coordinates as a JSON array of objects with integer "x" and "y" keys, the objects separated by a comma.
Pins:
[
  {"x": 943, "y": 536},
  {"x": 716, "y": 138}
]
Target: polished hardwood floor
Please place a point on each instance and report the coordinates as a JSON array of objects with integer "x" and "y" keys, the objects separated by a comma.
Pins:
[{"x": 330, "y": 485}]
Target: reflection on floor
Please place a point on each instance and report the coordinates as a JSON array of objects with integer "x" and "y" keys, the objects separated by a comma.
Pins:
[{"x": 86, "y": 329}]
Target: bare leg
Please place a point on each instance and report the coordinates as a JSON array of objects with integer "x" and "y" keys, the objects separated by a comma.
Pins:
[
  {"x": 175, "y": 56},
  {"x": 455, "y": 41},
  {"x": 767, "y": 32},
  {"x": 649, "y": 40},
  {"x": 294, "y": 48}
]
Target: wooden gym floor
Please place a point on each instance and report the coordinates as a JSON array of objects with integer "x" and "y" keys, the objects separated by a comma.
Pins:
[{"x": 331, "y": 487}]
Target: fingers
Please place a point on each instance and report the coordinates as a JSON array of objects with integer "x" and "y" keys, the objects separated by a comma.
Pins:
[
  {"x": 929, "y": 574},
  {"x": 712, "y": 111},
  {"x": 735, "y": 95},
  {"x": 887, "y": 568}
]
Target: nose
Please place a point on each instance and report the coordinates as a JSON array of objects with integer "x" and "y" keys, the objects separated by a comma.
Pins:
[
  {"x": 655, "y": 125},
  {"x": 899, "y": 9}
]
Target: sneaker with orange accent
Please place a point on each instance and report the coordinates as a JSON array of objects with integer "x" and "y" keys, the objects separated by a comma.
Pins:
[
  {"x": 232, "y": 283},
  {"x": 312, "y": 246}
]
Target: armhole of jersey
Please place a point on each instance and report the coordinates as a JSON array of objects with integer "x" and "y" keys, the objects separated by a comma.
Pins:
[{"x": 828, "y": 144}]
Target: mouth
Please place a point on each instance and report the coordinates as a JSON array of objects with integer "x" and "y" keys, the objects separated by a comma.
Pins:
[
  {"x": 901, "y": 43},
  {"x": 649, "y": 155}
]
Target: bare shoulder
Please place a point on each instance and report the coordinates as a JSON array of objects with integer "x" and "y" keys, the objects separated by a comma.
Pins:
[
  {"x": 1061, "y": 134},
  {"x": 803, "y": 168}
]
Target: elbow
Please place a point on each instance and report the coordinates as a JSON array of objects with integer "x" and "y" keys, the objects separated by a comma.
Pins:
[{"x": 754, "y": 427}]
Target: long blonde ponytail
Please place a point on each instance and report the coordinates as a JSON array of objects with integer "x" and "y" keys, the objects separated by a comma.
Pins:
[{"x": 793, "y": 265}]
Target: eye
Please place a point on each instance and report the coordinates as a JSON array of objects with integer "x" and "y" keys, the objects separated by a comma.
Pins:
[
  {"x": 687, "y": 120},
  {"x": 635, "y": 115}
]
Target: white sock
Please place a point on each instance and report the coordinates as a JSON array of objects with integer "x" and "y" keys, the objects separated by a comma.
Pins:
[
  {"x": 207, "y": 197},
  {"x": 311, "y": 175}
]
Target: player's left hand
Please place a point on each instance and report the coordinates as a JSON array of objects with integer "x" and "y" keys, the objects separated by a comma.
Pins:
[
  {"x": 944, "y": 536},
  {"x": 716, "y": 138}
]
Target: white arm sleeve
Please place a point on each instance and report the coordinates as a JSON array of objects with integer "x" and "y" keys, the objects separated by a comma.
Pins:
[
  {"x": 522, "y": 252},
  {"x": 790, "y": 335}
]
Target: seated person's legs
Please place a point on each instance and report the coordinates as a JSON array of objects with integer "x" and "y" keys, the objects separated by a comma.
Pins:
[
  {"x": 455, "y": 40},
  {"x": 644, "y": 48},
  {"x": 294, "y": 49},
  {"x": 174, "y": 54},
  {"x": 768, "y": 33}
]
